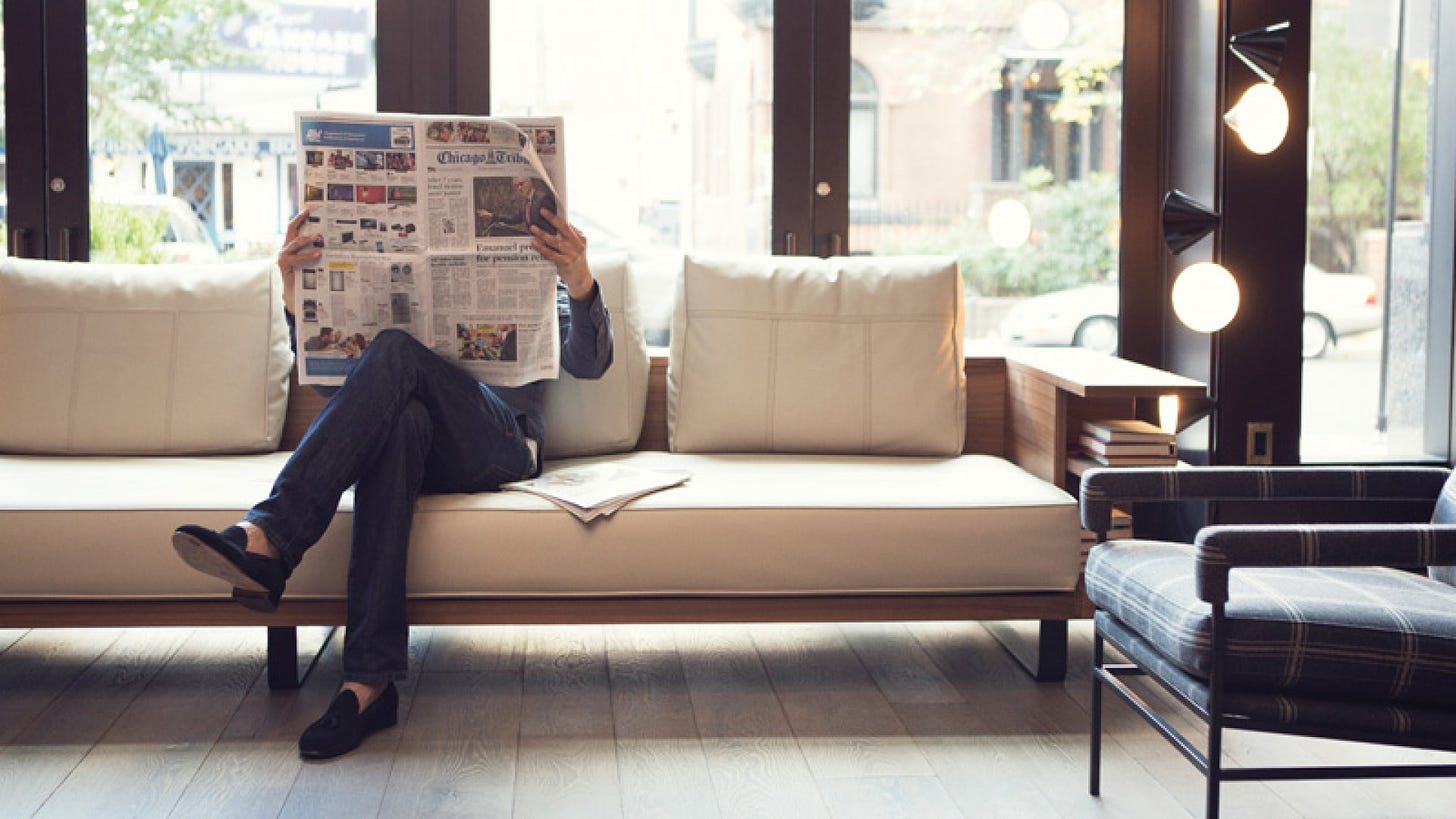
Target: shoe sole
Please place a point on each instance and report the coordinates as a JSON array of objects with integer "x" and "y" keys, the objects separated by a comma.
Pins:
[
  {"x": 205, "y": 559},
  {"x": 257, "y": 601}
]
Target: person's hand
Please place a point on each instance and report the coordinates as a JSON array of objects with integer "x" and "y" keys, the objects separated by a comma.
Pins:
[
  {"x": 567, "y": 250},
  {"x": 297, "y": 249}
]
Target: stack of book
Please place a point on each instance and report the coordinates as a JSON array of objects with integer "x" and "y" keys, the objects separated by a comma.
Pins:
[
  {"x": 1121, "y": 528},
  {"x": 1127, "y": 442}
]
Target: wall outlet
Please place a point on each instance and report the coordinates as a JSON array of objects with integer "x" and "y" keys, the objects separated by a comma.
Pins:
[{"x": 1259, "y": 447}]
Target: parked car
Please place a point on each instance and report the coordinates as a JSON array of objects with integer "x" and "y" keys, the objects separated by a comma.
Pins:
[
  {"x": 184, "y": 238},
  {"x": 1335, "y": 305}
]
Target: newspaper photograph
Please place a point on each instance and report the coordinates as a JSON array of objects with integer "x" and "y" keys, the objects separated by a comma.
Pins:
[{"x": 425, "y": 226}]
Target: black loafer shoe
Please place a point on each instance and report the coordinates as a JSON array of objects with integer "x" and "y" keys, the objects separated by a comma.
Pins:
[
  {"x": 257, "y": 580},
  {"x": 344, "y": 726}
]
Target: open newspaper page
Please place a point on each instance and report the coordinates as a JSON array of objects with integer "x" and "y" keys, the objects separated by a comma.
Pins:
[
  {"x": 426, "y": 228},
  {"x": 590, "y": 491}
]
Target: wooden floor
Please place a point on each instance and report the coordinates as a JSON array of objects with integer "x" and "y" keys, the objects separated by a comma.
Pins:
[{"x": 884, "y": 720}]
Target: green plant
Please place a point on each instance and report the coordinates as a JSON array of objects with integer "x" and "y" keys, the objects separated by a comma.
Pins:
[
  {"x": 123, "y": 234},
  {"x": 1349, "y": 147},
  {"x": 1073, "y": 240}
]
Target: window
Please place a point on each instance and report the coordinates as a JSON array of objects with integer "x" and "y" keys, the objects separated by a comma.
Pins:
[
  {"x": 1376, "y": 293},
  {"x": 213, "y": 125},
  {"x": 864, "y": 133},
  {"x": 668, "y": 140},
  {"x": 976, "y": 105}
]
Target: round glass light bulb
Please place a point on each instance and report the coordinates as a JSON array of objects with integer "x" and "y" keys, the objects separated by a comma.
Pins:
[
  {"x": 1045, "y": 25},
  {"x": 1205, "y": 297},
  {"x": 1261, "y": 118},
  {"x": 1009, "y": 223}
]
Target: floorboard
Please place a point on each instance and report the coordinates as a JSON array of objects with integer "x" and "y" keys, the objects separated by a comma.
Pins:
[
  {"x": 757, "y": 767},
  {"x": 567, "y": 760},
  {"x": 352, "y": 785},
  {"x": 818, "y": 720},
  {"x": 37, "y": 668},
  {"x": 660, "y": 759},
  {"x": 145, "y": 759},
  {"x": 842, "y": 721}
]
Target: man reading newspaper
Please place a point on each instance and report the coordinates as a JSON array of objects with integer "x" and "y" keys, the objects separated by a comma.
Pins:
[{"x": 405, "y": 421}]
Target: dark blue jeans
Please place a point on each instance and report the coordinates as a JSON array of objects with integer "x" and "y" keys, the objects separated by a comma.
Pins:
[{"x": 405, "y": 422}]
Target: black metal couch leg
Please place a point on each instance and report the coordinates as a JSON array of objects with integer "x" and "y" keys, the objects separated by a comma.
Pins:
[
  {"x": 1094, "y": 768},
  {"x": 1047, "y": 661},
  {"x": 287, "y": 667}
]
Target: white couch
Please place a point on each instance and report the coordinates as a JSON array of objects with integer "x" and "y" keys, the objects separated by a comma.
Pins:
[{"x": 821, "y": 407}]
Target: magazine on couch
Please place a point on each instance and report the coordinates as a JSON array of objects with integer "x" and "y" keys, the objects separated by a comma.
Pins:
[
  {"x": 425, "y": 227},
  {"x": 591, "y": 491}
]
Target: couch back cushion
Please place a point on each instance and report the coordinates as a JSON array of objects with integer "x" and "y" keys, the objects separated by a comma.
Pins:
[
  {"x": 141, "y": 359},
  {"x": 855, "y": 355},
  {"x": 603, "y": 415}
]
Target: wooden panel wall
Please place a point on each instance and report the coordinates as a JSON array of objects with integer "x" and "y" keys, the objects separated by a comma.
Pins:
[{"x": 1035, "y": 439}]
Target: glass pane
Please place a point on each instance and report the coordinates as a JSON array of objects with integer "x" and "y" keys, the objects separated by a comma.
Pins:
[
  {"x": 990, "y": 131},
  {"x": 668, "y": 140},
  {"x": 1368, "y": 279},
  {"x": 191, "y": 118}
]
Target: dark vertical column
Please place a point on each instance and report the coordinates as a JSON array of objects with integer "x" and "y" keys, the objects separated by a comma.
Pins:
[
  {"x": 1194, "y": 65},
  {"x": 792, "y": 217},
  {"x": 25, "y": 128},
  {"x": 394, "y": 46},
  {"x": 67, "y": 149},
  {"x": 1142, "y": 275},
  {"x": 1173, "y": 65},
  {"x": 1257, "y": 368},
  {"x": 434, "y": 56},
  {"x": 831, "y": 126},
  {"x": 472, "y": 56}
]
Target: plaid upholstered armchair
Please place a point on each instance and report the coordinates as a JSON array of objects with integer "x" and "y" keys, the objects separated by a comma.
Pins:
[{"x": 1316, "y": 630}]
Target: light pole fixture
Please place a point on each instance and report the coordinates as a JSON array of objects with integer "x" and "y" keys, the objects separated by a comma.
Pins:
[
  {"x": 1185, "y": 221},
  {"x": 1261, "y": 116},
  {"x": 1205, "y": 295},
  {"x": 1262, "y": 49}
]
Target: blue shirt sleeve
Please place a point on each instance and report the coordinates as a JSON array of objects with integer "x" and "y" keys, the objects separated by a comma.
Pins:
[{"x": 586, "y": 333}]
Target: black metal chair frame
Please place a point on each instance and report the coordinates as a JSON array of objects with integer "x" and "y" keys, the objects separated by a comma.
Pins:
[{"x": 1209, "y": 759}]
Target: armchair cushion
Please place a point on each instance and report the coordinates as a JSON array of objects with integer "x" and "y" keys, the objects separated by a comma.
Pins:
[
  {"x": 1295, "y": 713},
  {"x": 1356, "y": 633}
]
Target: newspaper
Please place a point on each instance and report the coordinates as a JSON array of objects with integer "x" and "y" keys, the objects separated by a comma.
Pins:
[
  {"x": 591, "y": 491},
  {"x": 425, "y": 226}
]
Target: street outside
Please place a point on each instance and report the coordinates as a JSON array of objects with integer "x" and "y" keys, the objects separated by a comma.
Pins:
[{"x": 1341, "y": 404}]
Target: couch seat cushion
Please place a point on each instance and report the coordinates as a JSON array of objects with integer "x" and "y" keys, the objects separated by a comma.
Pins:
[
  {"x": 744, "y": 524},
  {"x": 1335, "y": 632}
]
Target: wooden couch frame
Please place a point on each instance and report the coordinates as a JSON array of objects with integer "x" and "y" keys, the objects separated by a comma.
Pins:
[{"x": 1014, "y": 410}]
